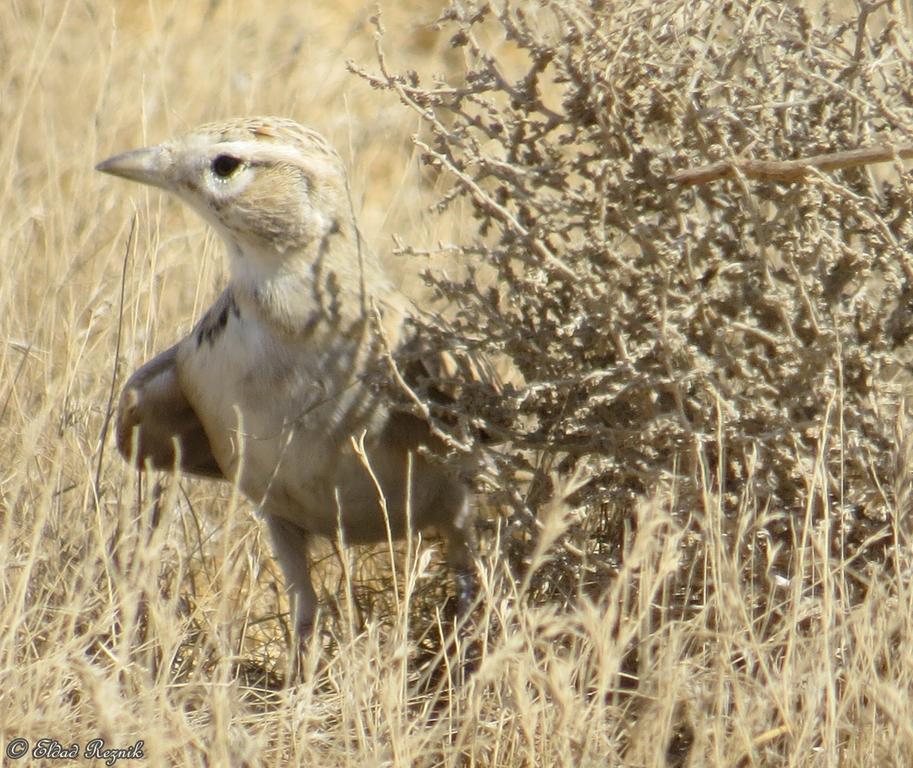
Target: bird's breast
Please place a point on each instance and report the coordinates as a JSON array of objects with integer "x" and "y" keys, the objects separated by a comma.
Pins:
[{"x": 279, "y": 409}]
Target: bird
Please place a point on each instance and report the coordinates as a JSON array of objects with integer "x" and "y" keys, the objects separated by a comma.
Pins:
[{"x": 276, "y": 388}]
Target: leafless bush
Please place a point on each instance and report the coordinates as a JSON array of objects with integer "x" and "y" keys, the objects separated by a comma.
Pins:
[{"x": 727, "y": 335}]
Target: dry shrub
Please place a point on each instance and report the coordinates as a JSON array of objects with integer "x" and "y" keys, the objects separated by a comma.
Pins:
[{"x": 741, "y": 337}]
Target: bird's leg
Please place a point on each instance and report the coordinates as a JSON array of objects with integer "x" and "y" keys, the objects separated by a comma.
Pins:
[
  {"x": 461, "y": 548},
  {"x": 290, "y": 548}
]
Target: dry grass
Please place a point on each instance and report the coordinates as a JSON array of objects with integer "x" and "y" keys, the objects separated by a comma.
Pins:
[{"x": 175, "y": 634}]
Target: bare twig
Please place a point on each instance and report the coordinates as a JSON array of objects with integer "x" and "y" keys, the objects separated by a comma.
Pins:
[
  {"x": 867, "y": 10},
  {"x": 483, "y": 199},
  {"x": 791, "y": 170}
]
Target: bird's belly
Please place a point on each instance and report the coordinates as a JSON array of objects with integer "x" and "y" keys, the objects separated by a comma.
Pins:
[{"x": 280, "y": 417}]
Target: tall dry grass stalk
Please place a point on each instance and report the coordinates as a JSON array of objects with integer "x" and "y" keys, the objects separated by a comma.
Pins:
[{"x": 642, "y": 636}]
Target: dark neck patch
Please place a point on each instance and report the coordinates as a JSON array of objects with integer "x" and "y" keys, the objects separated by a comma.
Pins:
[{"x": 213, "y": 323}]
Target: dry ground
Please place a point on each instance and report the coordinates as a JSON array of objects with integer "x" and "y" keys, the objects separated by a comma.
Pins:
[{"x": 175, "y": 635}]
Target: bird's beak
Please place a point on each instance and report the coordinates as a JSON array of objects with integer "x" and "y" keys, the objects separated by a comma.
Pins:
[{"x": 150, "y": 165}]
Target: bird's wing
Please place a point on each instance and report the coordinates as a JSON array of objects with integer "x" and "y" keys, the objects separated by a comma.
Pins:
[
  {"x": 156, "y": 423},
  {"x": 452, "y": 383}
]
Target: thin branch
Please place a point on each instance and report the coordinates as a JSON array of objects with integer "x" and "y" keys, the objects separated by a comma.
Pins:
[
  {"x": 867, "y": 10},
  {"x": 484, "y": 200},
  {"x": 791, "y": 170}
]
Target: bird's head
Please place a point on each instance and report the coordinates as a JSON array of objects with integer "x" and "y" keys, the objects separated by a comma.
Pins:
[
  {"x": 277, "y": 194},
  {"x": 268, "y": 185}
]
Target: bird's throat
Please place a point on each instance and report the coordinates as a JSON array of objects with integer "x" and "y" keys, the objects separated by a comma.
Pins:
[{"x": 295, "y": 291}]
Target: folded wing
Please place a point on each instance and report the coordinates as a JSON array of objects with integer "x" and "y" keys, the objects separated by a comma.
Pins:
[{"x": 157, "y": 426}]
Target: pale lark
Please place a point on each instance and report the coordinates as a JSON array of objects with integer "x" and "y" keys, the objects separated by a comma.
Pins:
[{"x": 277, "y": 378}]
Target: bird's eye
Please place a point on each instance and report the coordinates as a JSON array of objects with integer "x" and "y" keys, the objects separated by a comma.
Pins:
[{"x": 224, "y": 166}]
